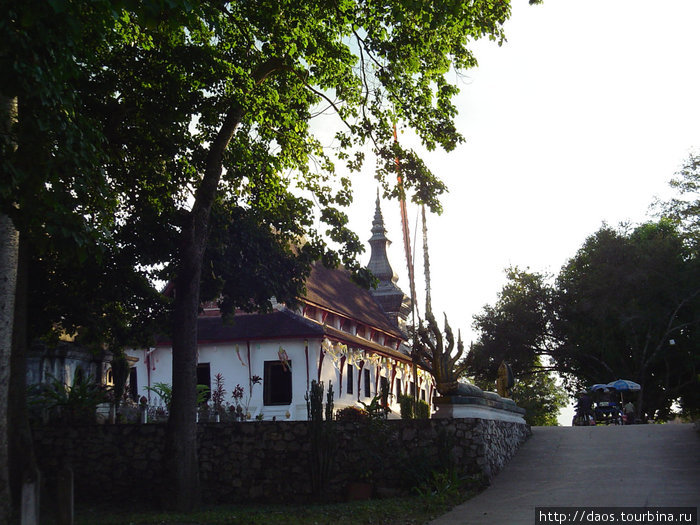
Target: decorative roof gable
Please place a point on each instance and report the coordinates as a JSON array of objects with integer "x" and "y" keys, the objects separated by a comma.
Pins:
[{"x": 334, "y": 291}]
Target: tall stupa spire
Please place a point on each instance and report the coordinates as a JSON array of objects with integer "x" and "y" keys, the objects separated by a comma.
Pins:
[
  {"x": 389, "y": 296},
  {"x": 379, "y": 261}
]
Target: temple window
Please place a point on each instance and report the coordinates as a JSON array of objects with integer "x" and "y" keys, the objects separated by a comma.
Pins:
[
  {"x": 204, "y": 377},
  {"x": 277, "y": 383},
  {"x": 367, "y": 383},
  {"x": 133, "y": 384},
  {"x": 350, "y": 380},
  {"x": 109, "y": 377},
  {"x": 384, "y": 383},
  {"x": 79, "y": 376}
]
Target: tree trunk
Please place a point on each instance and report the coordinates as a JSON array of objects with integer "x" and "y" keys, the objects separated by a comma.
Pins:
[
  {"x": 9, "y": 244},
  {"x": 182, "y": 464},
  {"x": 23, "y": 464},
  {"x": 181, "y": 461},
  {"x": 9, "y": 247}
]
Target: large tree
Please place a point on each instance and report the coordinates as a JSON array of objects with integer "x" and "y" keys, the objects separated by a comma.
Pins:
[
  {"x": 540, "y": 395},
  {"x": 628, "y": 306},
  {"x": 54, "y": 186},
  {"x": 247, "y": 78},
  {"x": 47, "y": 167},
  {"x": 210, "y": 104},
  {"x": 684, "y": 208},
  {"x": 517, "y": 329}
]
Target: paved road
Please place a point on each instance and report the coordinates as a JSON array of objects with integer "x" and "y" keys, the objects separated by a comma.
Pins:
[{"x": 622, "y": 466}]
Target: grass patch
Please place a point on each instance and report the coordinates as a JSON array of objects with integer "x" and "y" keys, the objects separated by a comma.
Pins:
[{"x": 392, "y": 511}]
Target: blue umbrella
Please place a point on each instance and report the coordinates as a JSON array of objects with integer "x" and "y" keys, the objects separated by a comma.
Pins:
[
  {"x": 623, "y": 385},
  {"x": 598, "y": 386}
]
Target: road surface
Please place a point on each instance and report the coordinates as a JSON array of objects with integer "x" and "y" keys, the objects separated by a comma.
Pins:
[{"x": 603, "y": 466}]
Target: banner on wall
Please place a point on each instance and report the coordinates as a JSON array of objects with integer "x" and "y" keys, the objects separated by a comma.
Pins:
[
  {"x": 239, "y": 357},
  {"x": 282, "y": 353}
]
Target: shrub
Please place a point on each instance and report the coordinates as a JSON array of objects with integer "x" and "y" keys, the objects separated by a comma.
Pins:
[
  {"x": 70, "y": 404},
  {"x": 421, "y": 410},
  {"x": 406, "y": 403},
  {"x": 351, "y": 413},
  {"x": 412, "y": 409}
]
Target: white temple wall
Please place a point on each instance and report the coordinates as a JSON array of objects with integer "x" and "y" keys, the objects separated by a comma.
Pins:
[{"x": 237, "y": 365}]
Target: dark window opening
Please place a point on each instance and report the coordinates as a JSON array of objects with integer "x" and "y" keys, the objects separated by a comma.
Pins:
[
  {"x": 384, "y": 389},
  {"x": 422, "y": 394},
  {"x": 413, "y": 389},
  {"x": 204, "y": 377},
  {"x": 367, "y": 386},
  {"x": 133, "y": 384},
  {"x": 398, "y": 388},
  {"x": 277, "y": 383},
  {"x": 350, "y": 378},
  {"x": 384, "y": 383}
]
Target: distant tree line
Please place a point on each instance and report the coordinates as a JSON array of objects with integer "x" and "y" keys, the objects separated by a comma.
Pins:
[{"x": 626, "y": 305}]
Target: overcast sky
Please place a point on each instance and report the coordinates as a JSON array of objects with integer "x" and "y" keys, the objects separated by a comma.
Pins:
[{"x": 581, "y": 118}]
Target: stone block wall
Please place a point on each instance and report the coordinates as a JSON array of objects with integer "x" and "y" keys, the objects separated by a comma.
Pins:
[{"x": 269, "y": 460}]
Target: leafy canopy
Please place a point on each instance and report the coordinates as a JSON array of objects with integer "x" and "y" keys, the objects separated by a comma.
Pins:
[{"x": 627, "y": 305}]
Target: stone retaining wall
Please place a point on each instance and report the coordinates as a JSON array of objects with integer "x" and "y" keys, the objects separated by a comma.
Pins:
[{"x": 269, "y": 460}]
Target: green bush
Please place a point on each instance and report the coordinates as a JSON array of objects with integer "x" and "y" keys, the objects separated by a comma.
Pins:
[
  {"x": 71, "y": 404},
  {"x": 355, "y": 414},
  {"x": 406, "y": 403},
  {"x": 412, "y": 409},
  {"x": 421, "y": 410}
]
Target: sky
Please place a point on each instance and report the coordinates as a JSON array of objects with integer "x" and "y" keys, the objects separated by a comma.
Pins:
[{"x": 581, "y": 118}]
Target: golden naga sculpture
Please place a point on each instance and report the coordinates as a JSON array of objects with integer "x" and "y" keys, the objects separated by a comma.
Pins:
[
  {"x": 434, "y": 353},
  {"x": 505, "y": 381}
]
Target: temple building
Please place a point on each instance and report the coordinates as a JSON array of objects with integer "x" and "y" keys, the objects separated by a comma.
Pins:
[{"x": 339, "y": 333}]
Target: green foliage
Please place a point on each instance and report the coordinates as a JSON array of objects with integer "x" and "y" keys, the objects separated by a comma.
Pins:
[
  {"x": 322, "y": 437},
  {"x": 137, "y": 119},
  {"x": 684, "y": 209},
  {"x": 422, "y": 410},
  {"x": 352, "y": 413},
  {"x": 406, "y": 404},
  {"x": 514, "y": 329},
  {"x": 218, "y": 393},
  {"x": 538, "y": 393},
  {"x": 621, "y": 301},
  {"x": 627, "y": 305},
  {"x": 440, "y": 488},
  {"x": 413, "y": 409},
  {"x": 74, "y": 403},
  {"x": 54, "y": 180},
  {"x": 106, "y": 162},
  {"x": 376, "y": 409},
  {"x": 164, "y": 391},
  {"x": 203, "y": 394},
  {"x": 407, "y": 510}
]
